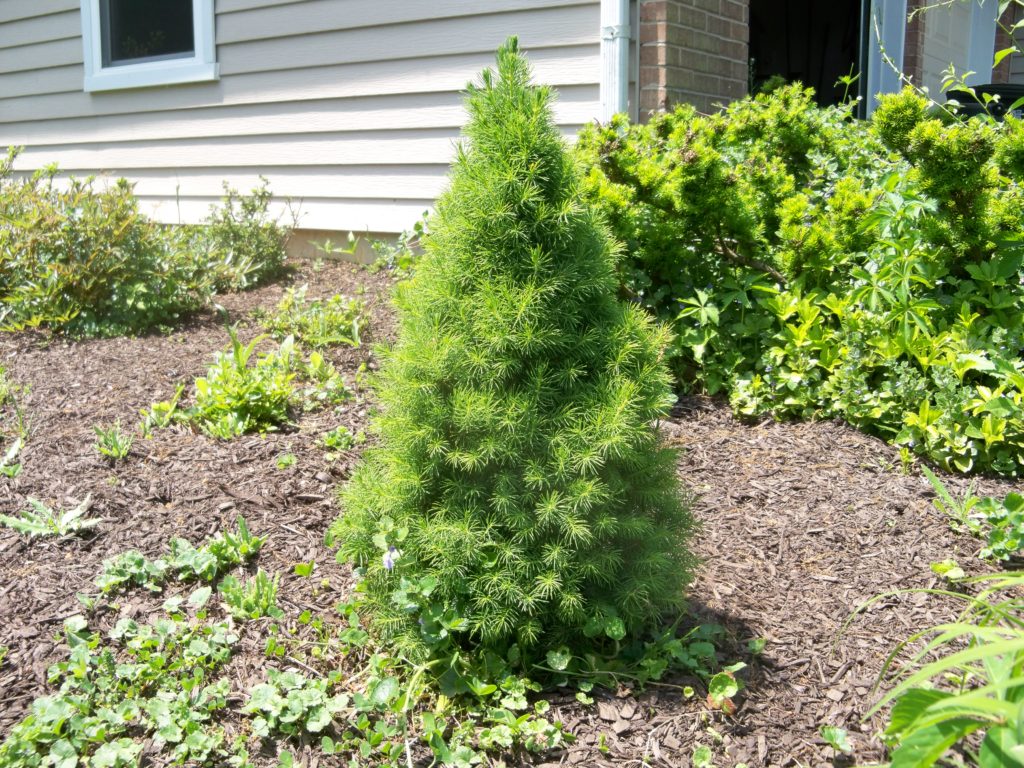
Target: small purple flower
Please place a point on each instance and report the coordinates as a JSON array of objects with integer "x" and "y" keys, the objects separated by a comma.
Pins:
[{"x": 389, "y": 558}]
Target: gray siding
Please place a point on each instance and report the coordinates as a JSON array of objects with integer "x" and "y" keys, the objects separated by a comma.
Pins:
[{"x": 350, "y": 107}]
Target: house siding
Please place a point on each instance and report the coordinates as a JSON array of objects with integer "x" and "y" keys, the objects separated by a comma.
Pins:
[{"x": 350, "y": 107}]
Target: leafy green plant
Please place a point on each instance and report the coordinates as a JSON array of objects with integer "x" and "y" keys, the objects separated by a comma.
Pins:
[
  {"x": 837, "y": 738},
  {"x": 82, "y": 260},
  {"x": 292, "y": 705},
  {"x": 211, "y": 559},
  {"x": 285, "y": 460},
  {"x": 85, "y": 261},
  {"x": 235, "y": 547},
  {"x": 41, "y": 520},
  {"x": 401, "y": 255},
  {"x": 1005, "y": 520},
  {"x": 9, "y": 466},
  {"x": 948, "y": 569},
  {"x": 520, "y": 476},
  {"x": 1001, "y": 522},
  {"x": 965, "y": 677},
  {"x": 10, "y": 399},
  {"x": 326, "y": 385},
  {"x": 817, "y": 267},
  {"x": 235, "y": 397},
  {"x": 253, "y": 599},
  {"x": 151, "y": 679},
  {"x": 162, "y": 414},
  {"x": 959, "y": 511},
  {"x": 244, "y": 246},
  {"x": 112, "y": 443},
  {"x": 131, "y": 568},
  {"x": 336, "y": 320},
  {"x": 341, "y": 439}
]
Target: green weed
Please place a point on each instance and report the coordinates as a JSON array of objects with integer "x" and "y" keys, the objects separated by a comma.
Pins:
[
  {"x": 41, "y": 520},
  {"x": 291, "y": 705},
  {"x": 211, "y": 559},
  {"x": 112, "y": 443},
  {"x": 154, "y": 679},
  {"x": 162, "y": 414},
  {"x": 341, "y": 438},
  {"x": 252, "y": 600},
  {"x": 1000, "y": 522},
  {"x": 235, "y": 397},
  {"x": 318, "y": 322}
]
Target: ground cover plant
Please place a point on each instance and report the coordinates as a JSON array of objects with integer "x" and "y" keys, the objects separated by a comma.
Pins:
[
  {"x": 817, "y": 266},
  {"x": 519, "y": 502},
  {"x": 81, "y": 259}
]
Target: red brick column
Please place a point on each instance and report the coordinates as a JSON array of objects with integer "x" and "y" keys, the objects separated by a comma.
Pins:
[
  {"x": 913, "y": 45},
  {"x": 1013, "y": 14},
  {"x": 692, "y": 51}
]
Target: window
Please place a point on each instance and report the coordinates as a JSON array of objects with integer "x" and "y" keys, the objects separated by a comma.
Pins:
[{"x": 138, "y": 43}]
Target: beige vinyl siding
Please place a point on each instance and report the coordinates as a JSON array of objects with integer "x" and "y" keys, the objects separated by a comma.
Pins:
[{"x": 350, "y": 107}]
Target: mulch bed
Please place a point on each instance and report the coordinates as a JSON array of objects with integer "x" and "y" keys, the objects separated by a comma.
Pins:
[{"x": 802, "y": 523}]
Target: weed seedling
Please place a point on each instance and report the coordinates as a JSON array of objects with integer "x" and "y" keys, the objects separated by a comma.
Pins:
[
  {"x": 41, "y": 520},
  {"x": 9, "y": 467},
  {"x": 112, "y": 443},
  {"x": 252, "y": 600},
  {"x": 341, "y": 439},
  {"x": 161, "y": 414}
]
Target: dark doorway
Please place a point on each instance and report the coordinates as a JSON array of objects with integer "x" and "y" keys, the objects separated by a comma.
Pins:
[{"x": 806, "y": 40}]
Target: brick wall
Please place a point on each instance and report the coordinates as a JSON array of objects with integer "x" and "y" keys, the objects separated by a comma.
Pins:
[
  {"x": 913, "y": 44},
  {"x": 692, "y": 51},
  {"x": 1003, "y": 72}
]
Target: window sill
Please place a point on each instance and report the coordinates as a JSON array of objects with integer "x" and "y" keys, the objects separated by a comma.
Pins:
[{"x": 151, "y": 74}]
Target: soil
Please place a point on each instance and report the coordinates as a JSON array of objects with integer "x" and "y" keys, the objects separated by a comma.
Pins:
[{"x": 802, "y": 523}]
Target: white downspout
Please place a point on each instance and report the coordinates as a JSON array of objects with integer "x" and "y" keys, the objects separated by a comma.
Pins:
[{"x": 614, "y": 58}]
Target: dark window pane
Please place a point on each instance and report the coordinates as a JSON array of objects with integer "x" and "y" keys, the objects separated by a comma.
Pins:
[{"x": 146, "y": 29}]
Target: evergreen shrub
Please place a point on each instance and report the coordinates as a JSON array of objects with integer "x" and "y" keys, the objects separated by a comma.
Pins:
[
  {"x": 817, "y": 266},
  {"x": 83, "y": 260},
  {"x": 519, "y": 497}
]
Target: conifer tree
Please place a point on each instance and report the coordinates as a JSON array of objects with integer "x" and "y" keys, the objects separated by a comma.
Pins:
[{"x": 519, "y": 462}]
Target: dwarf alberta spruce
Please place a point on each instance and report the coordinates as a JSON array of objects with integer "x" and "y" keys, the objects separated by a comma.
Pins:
[{"x": 519, "y": 481}]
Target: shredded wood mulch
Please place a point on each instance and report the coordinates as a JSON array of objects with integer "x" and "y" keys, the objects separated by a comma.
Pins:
[{"x": 802, "y": 523}]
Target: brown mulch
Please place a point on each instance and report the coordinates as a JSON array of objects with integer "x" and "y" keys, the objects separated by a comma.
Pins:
[{"x": 802, "y": 523}]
